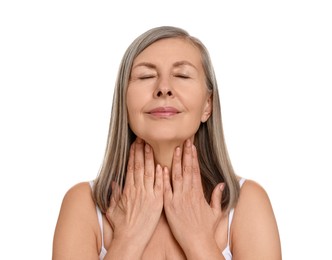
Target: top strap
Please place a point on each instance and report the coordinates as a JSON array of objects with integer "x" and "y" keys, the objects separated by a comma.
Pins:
[
  {"x": 100, "y": 220},
  {"x": 231, "y": 214}
]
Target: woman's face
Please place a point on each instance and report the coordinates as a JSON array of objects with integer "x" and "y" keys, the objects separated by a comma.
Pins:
[{"x": 167, "y": 97}]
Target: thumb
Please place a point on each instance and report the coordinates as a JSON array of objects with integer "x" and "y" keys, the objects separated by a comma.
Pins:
[
  {"x": 216, "y": 196},
  {"x": 113, "y": 200},
  {"x": 115, "y": 196},
  {"x": 115, "y": 191}
]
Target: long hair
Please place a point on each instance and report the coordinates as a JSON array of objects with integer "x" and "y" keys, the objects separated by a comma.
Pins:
[{"x": 215, "y": 165}]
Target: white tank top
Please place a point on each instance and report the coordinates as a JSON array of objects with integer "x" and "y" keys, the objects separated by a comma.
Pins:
[{"x": 226, "y": 252}]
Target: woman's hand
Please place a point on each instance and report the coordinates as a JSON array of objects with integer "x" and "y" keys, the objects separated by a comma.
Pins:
[
  {"x": 192, "y": 220},
  {"x": 134, "y": 214}
]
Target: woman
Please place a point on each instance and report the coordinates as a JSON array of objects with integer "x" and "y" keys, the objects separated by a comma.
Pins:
[{"x": 166, "y": 189}]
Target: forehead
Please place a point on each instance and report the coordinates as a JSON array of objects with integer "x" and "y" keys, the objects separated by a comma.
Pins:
[{"x": 170, "y": 50}]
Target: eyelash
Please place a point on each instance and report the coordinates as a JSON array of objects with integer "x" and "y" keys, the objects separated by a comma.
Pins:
[
  {"x": 153, "y": 76},
  {"x": 147, "y": 77},
  {"x": 182, "y": 76}
]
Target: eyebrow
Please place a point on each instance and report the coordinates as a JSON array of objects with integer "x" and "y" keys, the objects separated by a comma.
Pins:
[
  {"x": 183, "y": 63},
  {"x": 176, "y": 64},
  {"x": 145, "y": 64}
]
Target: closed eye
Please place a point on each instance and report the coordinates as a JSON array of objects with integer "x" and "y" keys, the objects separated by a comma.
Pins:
[
  {"x": 147, "y": 77},
  {"x": 182, "y": 76}
]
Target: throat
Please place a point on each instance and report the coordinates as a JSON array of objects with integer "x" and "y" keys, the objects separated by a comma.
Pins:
[{"x": 164, "y": 155}]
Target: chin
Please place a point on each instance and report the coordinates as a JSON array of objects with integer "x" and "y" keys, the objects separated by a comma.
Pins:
[
  {"x": 162, "y": 135},
  {"x": 162, "y": 138}
]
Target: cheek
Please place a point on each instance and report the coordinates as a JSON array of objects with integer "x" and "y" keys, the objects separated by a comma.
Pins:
[
  {"x": 196, "y": 104},
  {"x": 135, "y": 103},
  {"x": 132, "y": 118},
  {"x": 130, "y": 101}
]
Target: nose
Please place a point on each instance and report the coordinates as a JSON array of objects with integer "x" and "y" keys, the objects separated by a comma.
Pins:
[
  {"x": 163, "y": 92},
  {"x": 163, "y": 89}
]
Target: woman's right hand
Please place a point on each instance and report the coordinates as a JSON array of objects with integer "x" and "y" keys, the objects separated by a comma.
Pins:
[{"x": 135, "y": 213}]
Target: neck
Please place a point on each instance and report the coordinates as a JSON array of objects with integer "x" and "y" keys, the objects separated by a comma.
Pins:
[{"x": 163, "y": 153}]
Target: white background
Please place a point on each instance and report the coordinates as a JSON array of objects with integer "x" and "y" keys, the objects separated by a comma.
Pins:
[{"x": 58, "y": 63}]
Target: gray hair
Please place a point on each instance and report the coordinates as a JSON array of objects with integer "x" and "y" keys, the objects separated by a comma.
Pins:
[{"x": 215, "y": 165}]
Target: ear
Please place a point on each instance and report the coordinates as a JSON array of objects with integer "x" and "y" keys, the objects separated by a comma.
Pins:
[{"x": 207, "y": 109}]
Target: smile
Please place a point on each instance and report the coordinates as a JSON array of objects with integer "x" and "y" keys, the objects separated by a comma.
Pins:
[{"x": 164, "y": 112}]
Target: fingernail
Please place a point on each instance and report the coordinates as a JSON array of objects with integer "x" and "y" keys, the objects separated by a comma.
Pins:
[
  {"x": 188, "y": 143},
  {"x": 177, "y": 151},
  {"x": 222, "y": 186},
  {"x": 166, "y": 171},
  {"x": 147, "y": 148}
]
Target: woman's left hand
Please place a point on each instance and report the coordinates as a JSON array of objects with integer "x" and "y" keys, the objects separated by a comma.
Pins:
[{"x": 192, "y": 220}]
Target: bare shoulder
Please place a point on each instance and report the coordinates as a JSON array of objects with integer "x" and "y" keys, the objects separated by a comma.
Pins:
[
  {"x": 80, "y": 192},
  {"x": 78, "y": 202},
  {"x": 254, "y": 232},
  {"x": 253, "y": 194},
  {"x": 76, "y": 232}
]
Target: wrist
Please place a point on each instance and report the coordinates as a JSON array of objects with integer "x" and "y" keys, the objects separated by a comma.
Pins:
[
  {"x": 203, "y": 249},
  {"x": 124, "y": 249}
]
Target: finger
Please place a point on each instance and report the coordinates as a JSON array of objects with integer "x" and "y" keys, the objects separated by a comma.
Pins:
[
  {"x": 139, "y": 163},
  {"x": 148, "y": 168},
  {"x": 197, "y": 181},
  {"x": 187, "y": 162},
  {"x": 168, "y": 192},
  {"x": 112, "y": 205},
  {"x": 216, "y": 197},
  {"x": 158, "y": 185},
  {"x": 110, "y": 210},
  {"x": 177, "y": 171},
  {"x": 113, "y": 200},
  {"x": 115, "y": 191},
  {"x": 130, "y": 167}
]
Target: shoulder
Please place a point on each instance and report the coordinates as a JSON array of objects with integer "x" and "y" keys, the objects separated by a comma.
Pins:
[
  {"x": 80, "y": 191},
  {"x": 77, "y": 223},
  {"x": 252, "y": 194},
  {"x": 78, "y": 203},
  {"x": 254, "y": 232}
]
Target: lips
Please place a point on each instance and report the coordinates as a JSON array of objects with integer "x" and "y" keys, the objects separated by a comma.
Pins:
[{"x": 164, "y": 112}]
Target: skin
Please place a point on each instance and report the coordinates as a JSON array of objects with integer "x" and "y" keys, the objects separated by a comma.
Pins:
[
  {"x": 168, "y": 73},
  {"x": 162, "y": 212}
]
